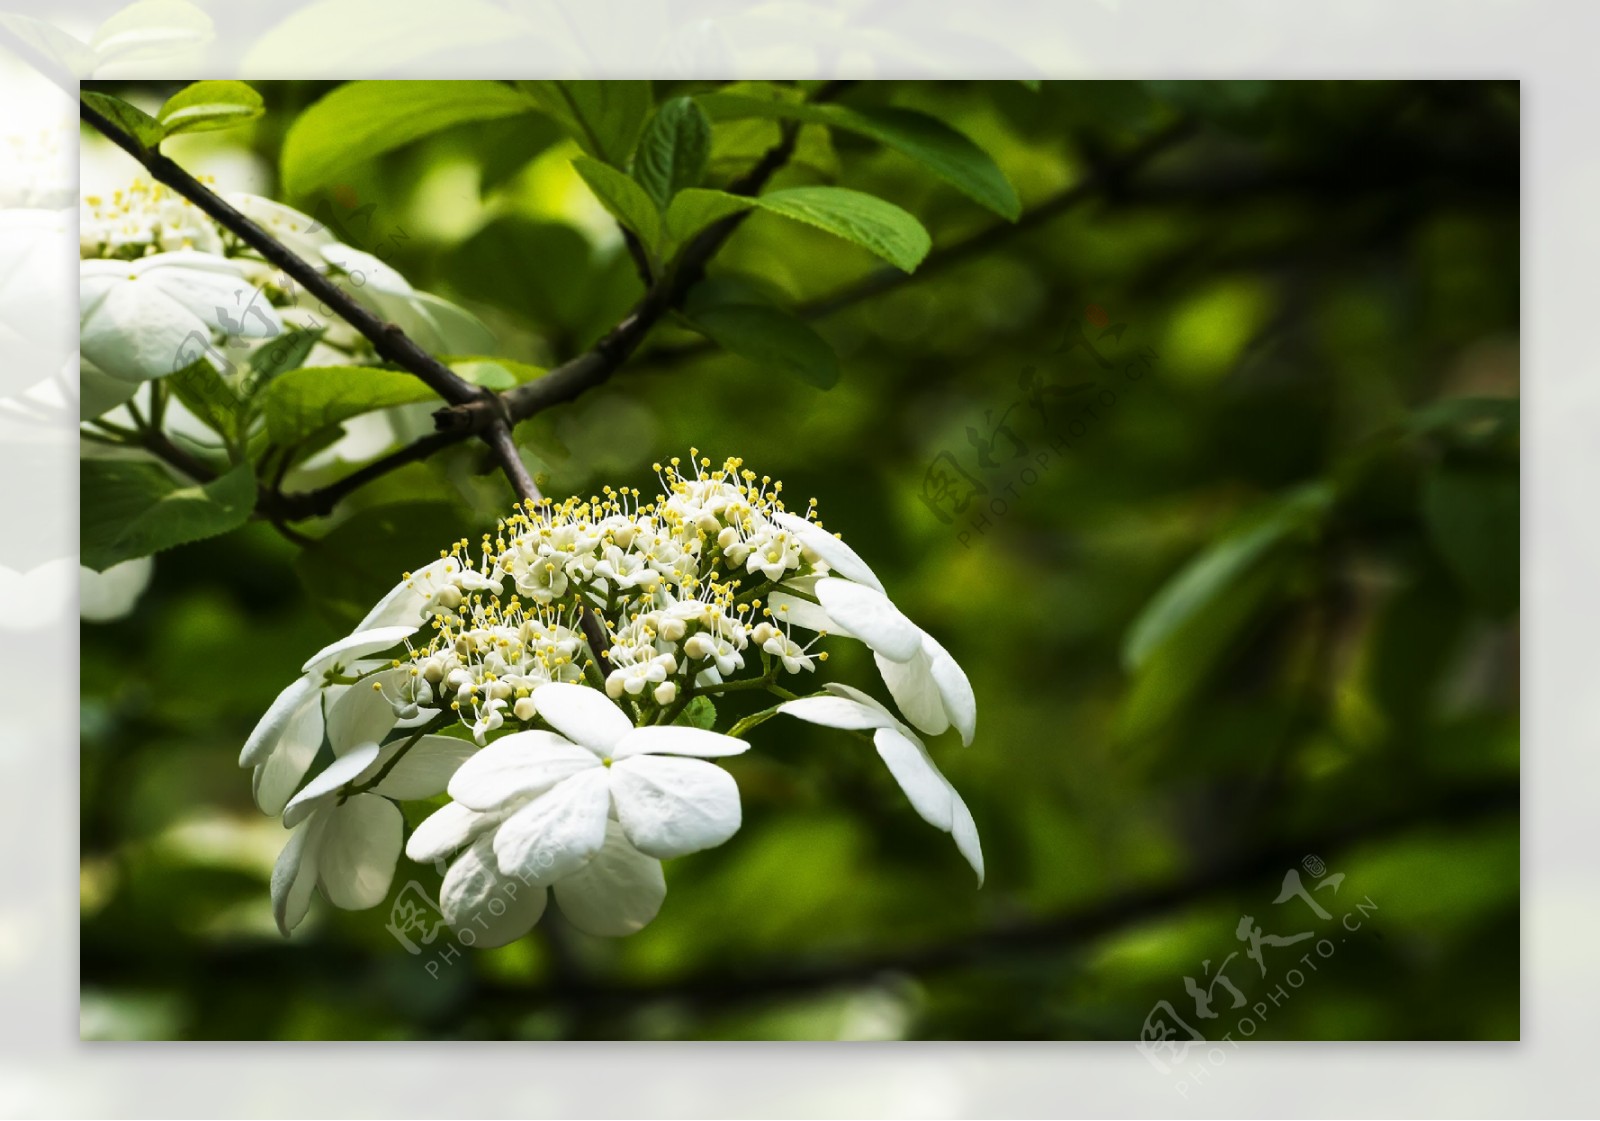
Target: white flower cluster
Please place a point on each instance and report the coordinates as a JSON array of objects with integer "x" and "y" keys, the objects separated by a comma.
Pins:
[
  {"x": 559, "y": 689},
  {"x": 161, "y": 285}
]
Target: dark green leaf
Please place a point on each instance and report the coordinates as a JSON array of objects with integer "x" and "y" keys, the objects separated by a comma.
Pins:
[
  {"x": 673, "y": 151},
  {"x": 1473, "y": 514},
  {"x": 949, "y": 154},
  {"x": 624, "y": 198},
  {"x": 605, "y": 118},
  {"x": 771, "y": 338},
  {"x": 130, "y": 508},
  {"x": 129, "y": 118},
  {"x": 281, "y": 355},
  {"x": 359, "y": 121},
  {"x": 204, "y": 106}
]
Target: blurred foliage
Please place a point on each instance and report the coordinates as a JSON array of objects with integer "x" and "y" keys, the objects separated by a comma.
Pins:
[{"x": 1240, "y": 585}]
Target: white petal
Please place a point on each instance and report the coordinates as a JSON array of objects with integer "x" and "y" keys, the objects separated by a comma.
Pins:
[
  {"x": 908, "y": 762},
  {"x": 135, "y": 332},
  {"x": 670, "y": 806},
  {"x": 804, "y": 614},
  {"x": 295, "y": 875},
  {"x": 212, "y": 289},
  {"x": 584, "y": 715},
  {"x": 342, "y": 770},
  {"x": 960, "y": 703},
  {"x": 456, "y": 330},
  {"x": 913, "y": 688},
  {"x": 965, "y": 831},
  {"x": 476, "y": 897},
  {"x": 357, "y": 645},
  {"x": 359, "y": 849},
  {"x": 425, "y": 768},
  {"x": 849, "y": 709},
  {"x": 677, "y": 739},
  {"x": 360, "y": 716},
  {"x": 517, "y": 766},
  {"x": 403, "y": 605},
  {"x": 870, "y": 617},
  {"x": 375, "y": 276},
  {"x": 840, "y": 557},
  {"x": 275, "y": 779},
  {"x": 282, "y": 712},
  {"x": 616, "y": 893},
  {"x": 555, "y": 834},
  {"x": 300, "y": 232},
  {"x": 445, "y": 830}
]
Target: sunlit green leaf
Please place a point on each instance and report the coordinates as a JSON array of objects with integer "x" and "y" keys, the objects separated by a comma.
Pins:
[
  {"x": 875, "y": 225},
  {"x": 605, "y": 118},
  {"x": 624, "y": 198},
  {"x": 362, "y": 120},
  {"x": 204, "y": 106}
]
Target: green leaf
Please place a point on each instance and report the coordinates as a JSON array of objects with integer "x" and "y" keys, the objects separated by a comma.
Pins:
[
  {"x": 625, "y": 199},
  {"x": 770, "y": 337},
  {"x": 674, "y": 150},
  {"x": 204, "y": 106},
  {"x": 700, "y": 712},
  {"x": 949, "y": 154},
  {"x": 206, "y": 394},
  {"x": 1213, "y": 573},
  {"x": 132, "y": 508},
  {"x": 692, "y": 210},
  {"x": 360, "y": 121},
  {"x": 129, "y": 118},
  {"x": 1473, "y": 513},
  {"x": 283, "y": 354},
  {"x": 605, "y": 118},
  {"x": 877, "y": 226},
  {"x": 304, "y": 401}
]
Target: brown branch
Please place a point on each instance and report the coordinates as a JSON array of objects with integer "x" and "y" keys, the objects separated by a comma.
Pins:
[
  {"x": 386, "y": 338},
  {"x": 110, "y": 959}
]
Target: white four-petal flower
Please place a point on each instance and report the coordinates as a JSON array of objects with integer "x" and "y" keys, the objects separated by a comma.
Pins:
[
  {"x": 349, "y": 842},
  {"x": 286, "y": 738},
  {"x": 144, "y": 319},
  {"x": 666, "y": 801}
]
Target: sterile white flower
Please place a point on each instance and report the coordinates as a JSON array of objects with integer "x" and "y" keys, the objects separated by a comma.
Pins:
[
  {"x": 348, "y": 840},
  {"x": 286, "y": 738},
  {"x": 138, "y": 319},
  {"x": 905, "y": 755},
  {"x": 668, "y": 800}
]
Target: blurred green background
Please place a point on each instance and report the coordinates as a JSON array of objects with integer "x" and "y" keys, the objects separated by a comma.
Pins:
[{"x": 1259, "y": 604}]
